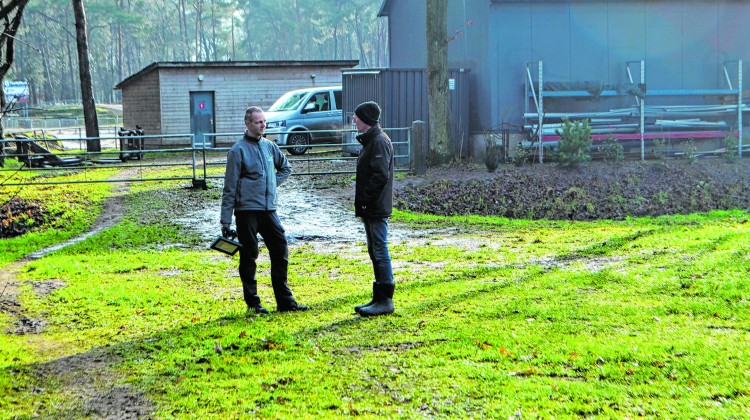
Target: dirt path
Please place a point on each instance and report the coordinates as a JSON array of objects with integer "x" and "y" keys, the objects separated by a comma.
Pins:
[
  {"x": 110, "y": 215},
  {"x": 88, "y": 378}
]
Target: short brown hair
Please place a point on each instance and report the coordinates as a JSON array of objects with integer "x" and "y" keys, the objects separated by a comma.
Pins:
[{"x": 250, "y": 111}]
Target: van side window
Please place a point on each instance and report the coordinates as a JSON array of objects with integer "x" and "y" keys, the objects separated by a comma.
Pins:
[
  {"x": 322, "y": 101},
  {"x": 337, "y": 95}
]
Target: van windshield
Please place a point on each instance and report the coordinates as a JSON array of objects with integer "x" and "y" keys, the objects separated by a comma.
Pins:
[{"x": 288, "y": 102}]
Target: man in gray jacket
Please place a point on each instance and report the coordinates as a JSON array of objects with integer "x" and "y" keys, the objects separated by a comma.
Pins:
[{"x": 255, "y": 166}]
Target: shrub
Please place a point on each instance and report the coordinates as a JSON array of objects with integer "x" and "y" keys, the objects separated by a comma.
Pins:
[
  {"x": 493, "y": 152},
  {"x": 613, "y": 150},
  {"x": 731, "y": 147},
  {"x": 18, "y": 216},
  {"x": 575, "y": 141},
  {"x": 520, "y": 155},
  {"x": 691, "y": 151},
  {"x": 660, "y": 148}
]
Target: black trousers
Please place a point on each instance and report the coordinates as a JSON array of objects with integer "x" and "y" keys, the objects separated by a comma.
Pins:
[{"x": 268, "y": 225}]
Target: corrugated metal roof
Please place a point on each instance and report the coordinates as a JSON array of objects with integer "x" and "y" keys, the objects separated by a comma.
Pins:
[{"x": 232, "y": 64}]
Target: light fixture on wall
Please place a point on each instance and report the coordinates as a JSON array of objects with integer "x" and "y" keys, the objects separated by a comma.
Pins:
[
  {"x": 200, "y": 77},
  {"x": 312, "y": 78}
]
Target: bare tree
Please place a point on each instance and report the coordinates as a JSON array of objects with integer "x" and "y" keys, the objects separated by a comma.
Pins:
[
  {"x": 198, "y": 5},
  {"x": 10, "y": 20},
  {"x": 437, "y": 80},
  {"x": 84, "y": 71}
]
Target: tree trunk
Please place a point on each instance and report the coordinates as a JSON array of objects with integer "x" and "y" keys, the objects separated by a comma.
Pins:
[
  {"x": 120, "y": 55},
  {"x": 87, "y": 87},
  {"x": 358, "y": 32},
  {"x": 183, "y": 29},
  {"x": 69, "y": 91},
  {"x": 198, "y": 29},
  {"x": 10, "y": 16},
  {"x": 437, "y": 81},
  {"x": 214, "y": 43}
]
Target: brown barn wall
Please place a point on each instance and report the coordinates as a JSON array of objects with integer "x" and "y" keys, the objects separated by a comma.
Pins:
[{"x": 141, "y": 106}]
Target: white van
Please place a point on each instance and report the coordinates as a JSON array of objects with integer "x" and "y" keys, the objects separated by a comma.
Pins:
[{"x": 297, "y": 116}]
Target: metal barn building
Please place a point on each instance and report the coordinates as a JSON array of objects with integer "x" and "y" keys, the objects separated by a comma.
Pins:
[
  {"x": 638, "y": 69},
  {"x": 178, "y": 98},
  {"x": 402, "y": 94}
]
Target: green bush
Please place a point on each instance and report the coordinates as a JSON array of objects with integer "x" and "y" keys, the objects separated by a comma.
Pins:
[
  {"x": 660, "y": 149},
  {"x": 691, "y": 151},
  {"x": 613, "y": 150},
  {"x": 731, "y": 147},
  {"x": 575, "y": 141},
  {"x": 520, "y": 155}
]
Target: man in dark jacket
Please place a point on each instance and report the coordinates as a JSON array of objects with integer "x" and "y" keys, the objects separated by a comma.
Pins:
[
  {"x": 255, "y": 166},
  {"x": 373, "y": 202}
]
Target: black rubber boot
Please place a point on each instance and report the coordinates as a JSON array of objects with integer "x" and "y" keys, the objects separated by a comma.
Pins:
[
  {"x": 358, "y": 307},
  {"x": 364, "y": 305},
  {"x": 383, "y": 296}
]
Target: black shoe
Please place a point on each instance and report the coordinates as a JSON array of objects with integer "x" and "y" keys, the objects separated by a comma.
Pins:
[
  {"x": 258, "y": 309},
  {"x": 292, "y": 307}
]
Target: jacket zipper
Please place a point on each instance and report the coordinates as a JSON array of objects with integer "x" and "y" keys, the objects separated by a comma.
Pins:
[{"x": 265, "y": 170}]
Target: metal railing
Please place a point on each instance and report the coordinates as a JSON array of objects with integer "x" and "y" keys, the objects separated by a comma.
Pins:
[
  {"x": 21, "y": 123},
  {"x": 69, "y": 154}
]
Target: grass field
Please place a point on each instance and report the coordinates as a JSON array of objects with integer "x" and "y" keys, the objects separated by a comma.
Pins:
[{"x": 494, "y": 318}]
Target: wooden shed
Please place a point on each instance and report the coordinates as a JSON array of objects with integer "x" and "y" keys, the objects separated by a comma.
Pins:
[{"x": 181, "y": 98}]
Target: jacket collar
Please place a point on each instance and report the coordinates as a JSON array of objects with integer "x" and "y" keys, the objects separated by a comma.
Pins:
[
  {"x": 370, "y": 134},
  {"x": 251, "y": 139}
]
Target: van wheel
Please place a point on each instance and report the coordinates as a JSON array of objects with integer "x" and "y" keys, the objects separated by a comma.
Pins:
[{"x": 298, "y": 139}]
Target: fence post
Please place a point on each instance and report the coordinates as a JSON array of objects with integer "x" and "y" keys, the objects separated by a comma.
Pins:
[{"x": 419, "y": 146}]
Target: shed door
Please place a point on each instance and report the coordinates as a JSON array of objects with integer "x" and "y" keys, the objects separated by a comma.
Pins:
[{"x": 202, "y": 118}]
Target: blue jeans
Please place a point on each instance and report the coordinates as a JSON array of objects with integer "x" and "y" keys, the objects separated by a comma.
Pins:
[{"x": 376, "y": 229}]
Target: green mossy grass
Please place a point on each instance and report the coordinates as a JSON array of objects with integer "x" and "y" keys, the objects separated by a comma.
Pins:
[
  {"x": 494, "y": 318},
  {"x": 74, "y": 208}
]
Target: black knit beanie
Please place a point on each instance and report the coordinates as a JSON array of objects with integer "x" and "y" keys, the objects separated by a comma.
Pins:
[{"x": 368, "y": 113}]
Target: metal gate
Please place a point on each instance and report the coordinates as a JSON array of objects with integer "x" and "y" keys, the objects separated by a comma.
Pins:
[{"x": 39, "y": 155}]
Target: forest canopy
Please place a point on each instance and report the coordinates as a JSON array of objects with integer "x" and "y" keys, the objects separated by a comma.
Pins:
[{"x": 127, "y": 35}]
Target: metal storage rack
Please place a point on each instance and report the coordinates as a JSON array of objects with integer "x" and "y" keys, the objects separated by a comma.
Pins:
[{"x": 536, "y": 113}]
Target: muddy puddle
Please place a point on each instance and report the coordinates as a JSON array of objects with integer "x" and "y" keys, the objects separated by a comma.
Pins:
[{"x": 307, "y": 214}]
